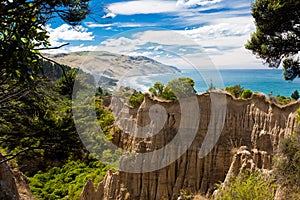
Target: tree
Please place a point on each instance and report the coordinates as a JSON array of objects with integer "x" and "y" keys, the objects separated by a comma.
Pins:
[
  {"x": 295, "y": 95},
  {"x": 177, "y": 88},
  {"x": 157, "y": 89},
  {"x": 23, "y": 34},
  {"x": 136, "y": 99},
  {"x": 277, "y": 36},
  {"x": 246, "y": 94},
  {"x": 235, "y": 90},
  {"x": 181, "y": 87}
]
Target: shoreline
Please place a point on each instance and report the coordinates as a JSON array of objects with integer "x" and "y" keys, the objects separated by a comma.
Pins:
[{"x": 257, "y": 80}]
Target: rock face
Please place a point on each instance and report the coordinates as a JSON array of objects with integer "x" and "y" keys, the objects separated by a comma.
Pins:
[
  {"x": 13, "y": 184},
  {"x": 8, "y": 188},
  {"x": 250, "y": 137}
]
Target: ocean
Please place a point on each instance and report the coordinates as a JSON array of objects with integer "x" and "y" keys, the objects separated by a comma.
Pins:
[{"x": 258, "y": 80}]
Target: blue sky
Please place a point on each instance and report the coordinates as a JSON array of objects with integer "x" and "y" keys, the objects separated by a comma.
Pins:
[{"x": 166, "y": 30}]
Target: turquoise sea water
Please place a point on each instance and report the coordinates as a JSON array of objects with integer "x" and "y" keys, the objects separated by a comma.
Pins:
[{"x": 261, "y": 80}]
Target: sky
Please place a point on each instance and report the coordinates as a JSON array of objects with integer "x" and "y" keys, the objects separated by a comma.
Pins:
[{"x": 170, "y": 31}]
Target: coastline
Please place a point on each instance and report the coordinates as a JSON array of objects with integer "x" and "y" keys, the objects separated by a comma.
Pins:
[{"x": 257, "y": 80}]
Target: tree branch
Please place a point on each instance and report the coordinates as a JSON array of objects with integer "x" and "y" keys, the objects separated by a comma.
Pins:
[
  {"x": 49, "y": 48},
  {"x": 12, "y": 156},
  {"x": 61, "y": 66}
]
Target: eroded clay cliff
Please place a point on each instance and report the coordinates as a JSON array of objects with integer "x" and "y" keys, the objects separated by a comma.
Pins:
[
  {"x": 8, "y": 187},
  {"x": 13, "y": 184},
  {"x": 250, "y": 138}
]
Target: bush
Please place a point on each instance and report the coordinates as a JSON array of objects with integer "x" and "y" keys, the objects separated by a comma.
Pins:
[
  {"x": 250, "y": 186},
  {"x": 66, "y": 182},
  {"x": 283, "y": 100},
  {"x": 177, "y": 88},
  {"x": 295, "y": 95},
  {"x": 136, "y": 99},
  {"x": 246, "y": 94},
  {"x": 287, "y": 165},
  {"x": 235, "y": 90}
]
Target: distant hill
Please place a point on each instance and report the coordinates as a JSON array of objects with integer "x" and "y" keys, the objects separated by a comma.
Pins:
[{"x": 112, "y": 67}]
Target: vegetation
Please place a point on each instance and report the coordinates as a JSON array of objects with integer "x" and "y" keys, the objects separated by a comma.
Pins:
[
  {"x": 283, "y": 100},
  {"x": 37, "y": 128},
  {"x": 295, "y": 95},
  {"x": 235, "y": 90},
  {"x": 66, "y": 182},
  {"x": 136, "y": 99},
  {"x": 36, "y": 122},
  {"x": 177, "y": 88},
  {"x": 23, "y": 33},
  {"x": 238, "y": 91},
  {"x": 287, "y": 165},
  {"x": 37, "y": 125},
  {"x": 248, "y": 186},
  {"x": 246, "y": 94},
  {"x": 277, "y": 36},
  {"x": 183, "y": 195}
]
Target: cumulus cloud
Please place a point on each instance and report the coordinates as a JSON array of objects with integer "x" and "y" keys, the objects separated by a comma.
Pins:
[
  {"x": 109, "y": 15},
  {"x": 66, "y": 32},
  {"x": 222, "y": 40},
  {"x": 221, "y": 30},
  {"x": 143, "y": 7}
]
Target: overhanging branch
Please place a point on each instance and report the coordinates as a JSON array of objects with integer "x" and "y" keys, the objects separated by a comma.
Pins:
[{"x": 50, "y": 48}]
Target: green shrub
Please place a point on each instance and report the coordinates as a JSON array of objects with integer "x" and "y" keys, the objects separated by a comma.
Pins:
[
  {"x": 235, "y": 90},
  {"x": 287, "y": 163},
  {"x": 185, "y": 195},
  {"x": 66, "y": 182},
  {"x": 177, "y": 88},
  {"x": 284, "y": 100},
  {"x": 250, "y": 186},
  {"x": 136, "y": 99},
  {"x": 295, "y": 95},
  {"x": 246, "y": 94}
]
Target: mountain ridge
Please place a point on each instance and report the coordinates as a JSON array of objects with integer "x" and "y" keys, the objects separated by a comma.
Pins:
[{"x": 111, "y": 65}]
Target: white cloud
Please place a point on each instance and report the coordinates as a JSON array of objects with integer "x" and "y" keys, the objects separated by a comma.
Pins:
[
  {"x": 143, "y": 7},
  {"x": 218, "y": 30},
  {"x": 81, "y": 47},
  {"x": 68, "y": 33},
  {"x": 121, "y": 42},
  {"x": 223, "y": 42},
  {"x": 145, "y": 53},
  {"x": 65, "y": 33},
  {"x": 192, "y": 3},
  {"x": 236, "y": 58},
  {"x": 97, "y": 25},
  {"x": 72, "y": 48},
  {"x": 225, "y": 34},
  {"x": 109, "y": 15}
]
